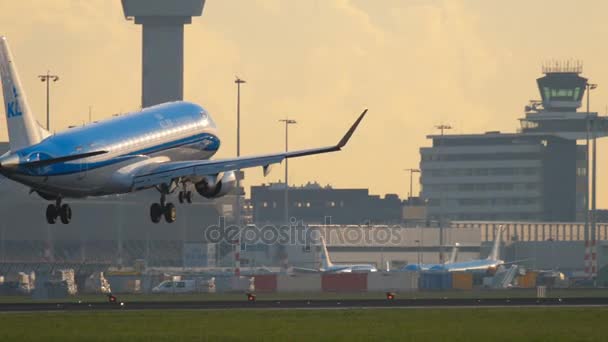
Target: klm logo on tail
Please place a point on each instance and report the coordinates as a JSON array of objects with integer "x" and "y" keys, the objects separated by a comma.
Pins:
[{"x": 12, "y": 107}]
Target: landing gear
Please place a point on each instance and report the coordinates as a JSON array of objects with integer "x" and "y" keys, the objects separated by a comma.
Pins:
[
  {"x": 65, "y": 213},
  {"x": 57, "y": 210},
  {"x": 51, "y": 214},
  {"x": 185, "y": 196},
  {"x": 170, "y": 213},
  {"x": 158, "y": 210}
]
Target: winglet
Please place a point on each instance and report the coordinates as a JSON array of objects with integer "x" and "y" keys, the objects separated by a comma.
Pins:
[
  {"x": 266, "y": 168},
  {"x": 350, "y": 132}
]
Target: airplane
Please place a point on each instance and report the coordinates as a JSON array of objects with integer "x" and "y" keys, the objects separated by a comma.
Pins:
[
  {"x": 166, "y": 147},
  {"x": 426, "y": 267},
  {"x": 491, "y": 262},
  {"x": 328, "y": 267}
]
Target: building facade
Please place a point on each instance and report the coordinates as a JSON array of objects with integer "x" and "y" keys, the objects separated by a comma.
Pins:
[
  {"x": 496, "y": 176},
  {"x": 538, "y": 174},
  {"x": 314, "y": 204}
]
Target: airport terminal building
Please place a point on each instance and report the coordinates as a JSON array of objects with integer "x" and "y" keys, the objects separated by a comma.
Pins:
[{"x": 498, "y": 176}]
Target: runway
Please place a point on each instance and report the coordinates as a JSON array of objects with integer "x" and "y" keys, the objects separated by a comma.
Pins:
[{"x": 303, "y": 304}]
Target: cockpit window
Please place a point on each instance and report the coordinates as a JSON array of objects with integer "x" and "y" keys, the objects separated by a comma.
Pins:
[{"x": 206, "y": 119}]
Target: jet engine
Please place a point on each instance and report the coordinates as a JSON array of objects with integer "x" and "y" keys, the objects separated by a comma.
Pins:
[{"x": 212, "y": 187}]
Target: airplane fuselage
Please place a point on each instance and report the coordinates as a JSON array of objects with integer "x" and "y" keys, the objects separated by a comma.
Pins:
[
  {"x": 176, "y": 131},
  {"x": 473, "y": 265},
  {"x": 362, "y": 268}
]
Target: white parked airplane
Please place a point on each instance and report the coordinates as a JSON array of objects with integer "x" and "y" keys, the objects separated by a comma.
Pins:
[
  {"x": 328, "y": 267},
  {"x": 166, "y": 147}
]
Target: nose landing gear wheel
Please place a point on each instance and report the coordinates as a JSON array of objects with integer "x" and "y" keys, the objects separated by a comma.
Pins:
[
  {"x": 170, "y": 213},
  {"x": 51, "y": 214},
  {"x": 156, "y": 212}
]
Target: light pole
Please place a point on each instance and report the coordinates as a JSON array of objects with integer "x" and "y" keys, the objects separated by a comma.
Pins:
[
  {"x": 238, "y": 83},
  {"x": 591, "y": 127},
  {"x": 411, "y": 193},
  {"x": 442, "y": 128},
  {"x": 418, "y": 257},
  {"x": 47, "y": 78},
  {"x": 287, "y": 122}
]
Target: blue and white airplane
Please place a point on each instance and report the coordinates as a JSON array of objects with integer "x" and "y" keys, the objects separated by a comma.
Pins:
[
  {"x": 426, "y": 267},
  {"x": 166, "y": 147},
  {"x": 490, "y": 263}
]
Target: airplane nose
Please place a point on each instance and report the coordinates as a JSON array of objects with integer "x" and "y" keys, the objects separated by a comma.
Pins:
[{"x": 10, "y": 161}]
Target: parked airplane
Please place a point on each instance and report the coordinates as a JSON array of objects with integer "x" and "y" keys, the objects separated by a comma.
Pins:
[
  {"x": 166, "y": 147},
  {"x": 329, "y": 267},
  {"x": 491, "y": 262},
  {"x": 426, "y": 267}
]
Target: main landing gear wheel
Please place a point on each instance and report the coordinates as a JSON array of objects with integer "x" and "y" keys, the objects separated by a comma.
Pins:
[
  {"x": 51, "y": 214},
  {"x": 55, "y": 211},
  {"x": 158, "y": 210},
  {"x": 170, "y": 213},
  {"x": 185, "y": 196},
  {"x": 65, "y": 213}
]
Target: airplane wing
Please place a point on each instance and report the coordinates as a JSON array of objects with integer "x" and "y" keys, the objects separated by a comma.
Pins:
[
  {"x": 164, "y": 173},
  {"x": 516, "y": 261}
]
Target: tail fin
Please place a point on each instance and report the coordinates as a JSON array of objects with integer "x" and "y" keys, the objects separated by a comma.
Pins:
[
  {"x": 325, "y": 261},
  {"x": 23, "y": 130},
  {"x": 454, "y": 254},
  {"x": 494, "y": 254}
]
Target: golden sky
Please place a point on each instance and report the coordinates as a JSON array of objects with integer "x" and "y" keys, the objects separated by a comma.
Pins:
[{"x": 413, "y": 63}]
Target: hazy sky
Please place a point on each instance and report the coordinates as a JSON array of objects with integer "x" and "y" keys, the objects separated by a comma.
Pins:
[{"x": 413, "y": 63}]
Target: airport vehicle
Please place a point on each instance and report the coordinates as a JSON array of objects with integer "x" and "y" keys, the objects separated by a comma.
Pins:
[
  {"x": 426, "y": 267},
  {"x": 167, "y": 147},
  {"x": 491, "y": 262},
  {"x": 185, "y": 286},
  {"x": 171, "y": 286}
]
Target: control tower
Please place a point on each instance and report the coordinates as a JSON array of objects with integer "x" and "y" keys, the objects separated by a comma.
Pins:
[
  {"x": 162, "y": 45},
  {"x": 562, "y": 90}
]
